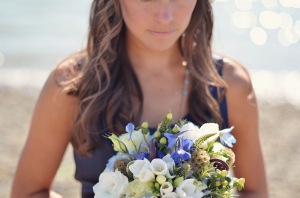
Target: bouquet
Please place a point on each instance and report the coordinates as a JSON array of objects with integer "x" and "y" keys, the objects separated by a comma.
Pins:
[{"x": 177, "y": 161}]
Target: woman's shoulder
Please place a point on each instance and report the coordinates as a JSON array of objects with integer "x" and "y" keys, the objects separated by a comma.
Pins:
[
  {"x": 236, "y": 76},
  {"x": 67, "y": 73},
  {"x": 61, "y": 85}
]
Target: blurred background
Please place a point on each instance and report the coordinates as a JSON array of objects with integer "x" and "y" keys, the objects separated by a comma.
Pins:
[{"x": 264, "y": 35}]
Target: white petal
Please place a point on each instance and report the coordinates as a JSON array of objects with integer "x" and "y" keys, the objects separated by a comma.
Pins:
[
  {"x": 209, "y": 128},
  {"x": 186, "y": 188},
  {"x": 138, "y": 165},
  {"x": 159, "y": 167},
  {"x": 166, "y": 188}
]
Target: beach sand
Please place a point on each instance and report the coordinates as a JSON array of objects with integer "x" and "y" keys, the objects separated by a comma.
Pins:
[{"x": 279, "y": 135}]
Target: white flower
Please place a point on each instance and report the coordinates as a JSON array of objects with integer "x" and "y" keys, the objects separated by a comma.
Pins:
[
  {"x": 166, "y": 188},
  {"x": 218, "y": 147},
  {"x": 170, "y": 195},
  {"x": 198, "y": 194},
  {"x": 191, "y": 131},
  {"x": 141, "y": 169},
  {"x": 209, "y": 128},
  {"x": 159, "y": 167},
  {"x": 170, "y": 164},
  {"x": 186, "y": 188},
  {"x": 169, "y": 161},
  {"x": 110, "y": 185},
  {"x": 138, "y": 189},
  {"x": 137, "y": 139},
  {"x": 146, "y": 175}
]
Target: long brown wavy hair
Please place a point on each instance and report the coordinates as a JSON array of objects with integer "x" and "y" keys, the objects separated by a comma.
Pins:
[{"x": 108, "y": 88}]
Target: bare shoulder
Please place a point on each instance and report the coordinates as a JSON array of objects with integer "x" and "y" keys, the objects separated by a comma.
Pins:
[
  {"x": 51, "y": 126},
  {"x": 236, "y": 76}
]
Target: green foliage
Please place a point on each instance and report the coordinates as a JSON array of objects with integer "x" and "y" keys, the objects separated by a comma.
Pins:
[{"x": 202, "y": 139}]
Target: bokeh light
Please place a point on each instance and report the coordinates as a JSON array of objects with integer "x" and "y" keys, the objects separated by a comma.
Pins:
[
  {"x": 286, "y": 21},
  {"x": 271, "y": 15},
  {"x": 244, "y": 19},
  {"x": 258, "y": 36},
  {"x": 288, "y": 36},
  {"x": 244, "y": 4},
  {"x": 297, "y": 27},
  {"x": 1, "y": 59},
  {"x": 269, "y": 19},
  {"x": 290, "y": 3},
  {"x": 269, "y": 3}
]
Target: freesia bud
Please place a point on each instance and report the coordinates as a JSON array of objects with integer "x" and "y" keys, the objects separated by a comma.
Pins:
[
  {"x": 161, "y": 179},
  {"x": 177, "y": 181}
]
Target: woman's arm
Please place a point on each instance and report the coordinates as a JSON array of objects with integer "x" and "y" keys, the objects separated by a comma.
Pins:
[
  {"x": 243, "y": 115},
  {"x": 49, "y": 135}
]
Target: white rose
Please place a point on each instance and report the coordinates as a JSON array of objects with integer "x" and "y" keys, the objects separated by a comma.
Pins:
[
  {"x": 110, "y": 185},
  {"x": 159, "y": 167},
  {"x": 137, "y": 138},
  {"x": 186, "y": 188}
]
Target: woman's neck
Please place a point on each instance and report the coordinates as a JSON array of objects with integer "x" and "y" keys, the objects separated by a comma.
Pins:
[{"x": 145, "y": 59}]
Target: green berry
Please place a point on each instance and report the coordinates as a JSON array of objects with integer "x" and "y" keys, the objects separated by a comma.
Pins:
[
  {"x": 145, "y": 125},
  {"x": 163, "y": 140}
]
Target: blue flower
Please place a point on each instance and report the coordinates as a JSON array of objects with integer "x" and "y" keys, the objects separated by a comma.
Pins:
[
  {"x": 180, "y": 154},
  {"x": 172, "y": 138},
  {"x": 160, "y": 154},
  {"x": 187, "y": 144},
  {"x": 140, "y": 156},
  {"x": 226, "y": 138},
  {"x": 129, "y": 129}
]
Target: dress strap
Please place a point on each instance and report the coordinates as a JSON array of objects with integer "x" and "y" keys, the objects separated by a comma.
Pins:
[{"x": 219, "y": 63}]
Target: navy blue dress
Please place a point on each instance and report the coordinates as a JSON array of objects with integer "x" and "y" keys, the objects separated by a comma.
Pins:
[{"x": 88, "y": 169}]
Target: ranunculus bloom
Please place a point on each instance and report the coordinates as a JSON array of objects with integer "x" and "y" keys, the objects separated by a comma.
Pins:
[{"x": 110, "y": 185}]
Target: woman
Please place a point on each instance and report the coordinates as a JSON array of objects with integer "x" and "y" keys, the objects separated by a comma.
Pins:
[{"x": 143, "y": 58}]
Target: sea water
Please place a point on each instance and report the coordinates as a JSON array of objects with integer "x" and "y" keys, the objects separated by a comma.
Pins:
[{"x": 35, "y": 35}]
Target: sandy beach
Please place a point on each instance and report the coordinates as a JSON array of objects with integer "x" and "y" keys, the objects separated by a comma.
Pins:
[{"x": 279, "y": 132}]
